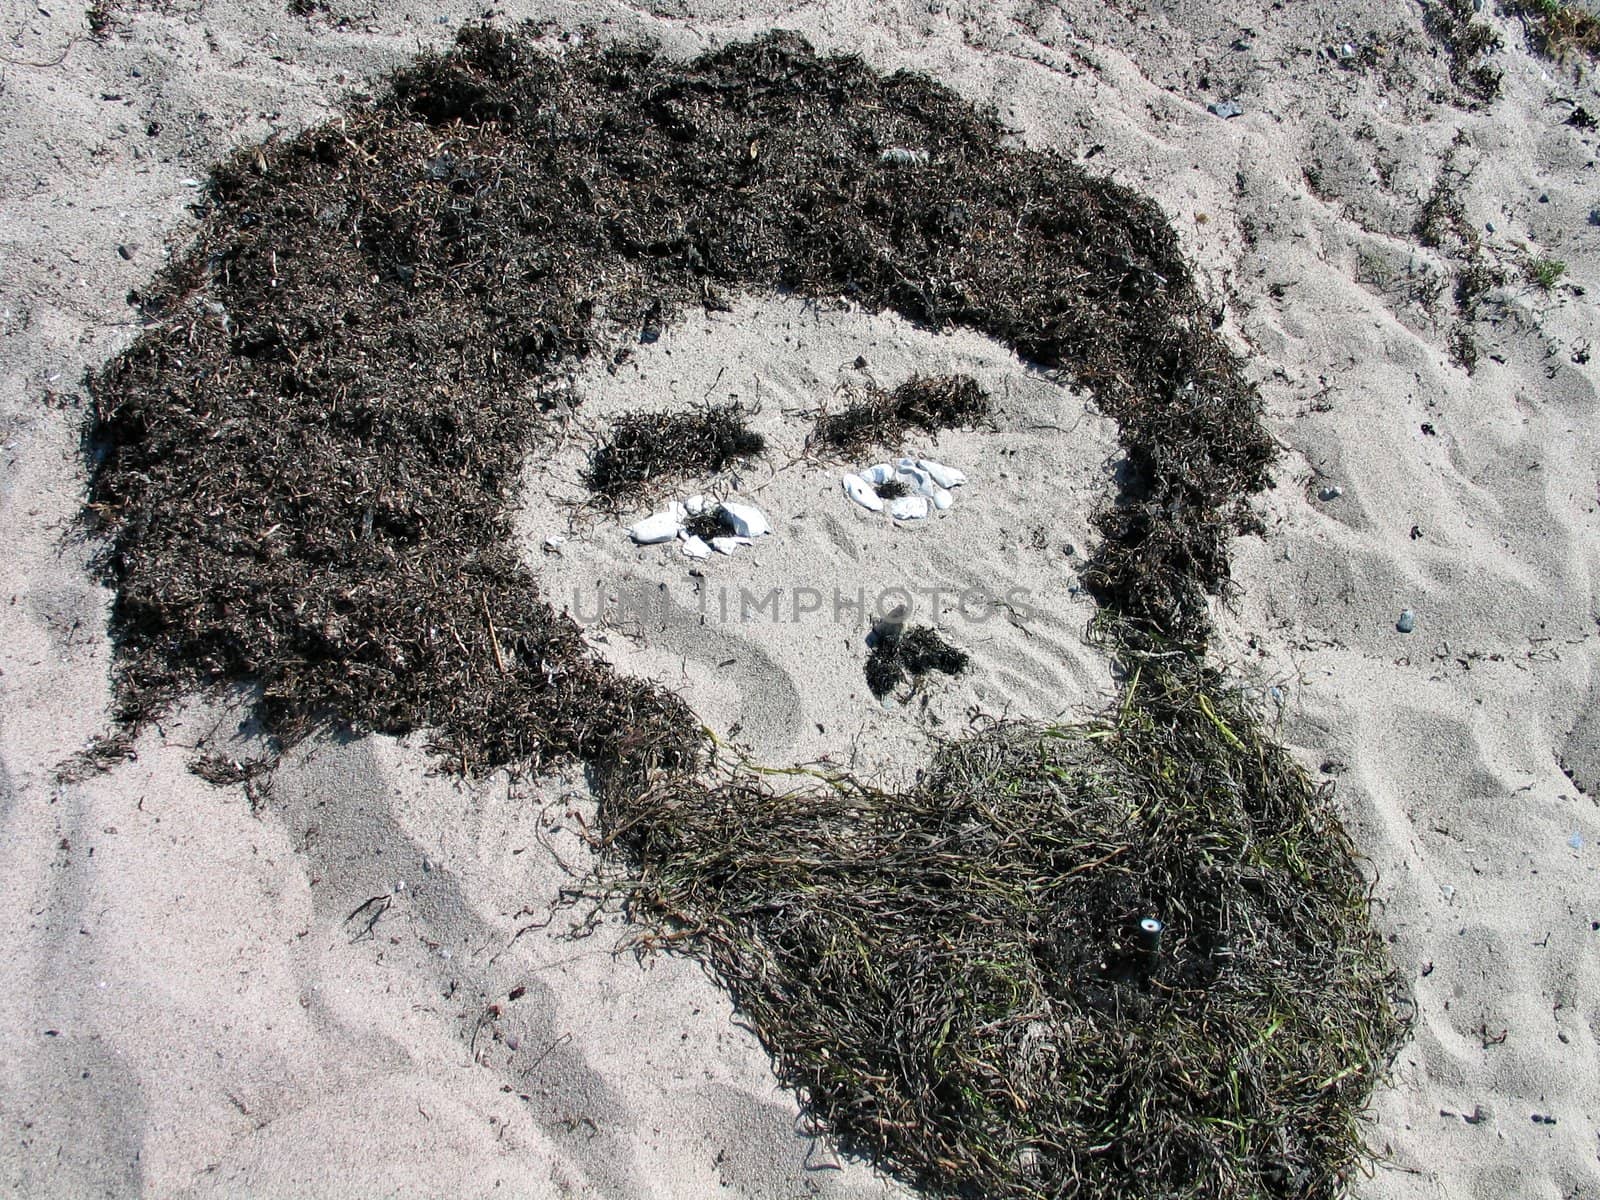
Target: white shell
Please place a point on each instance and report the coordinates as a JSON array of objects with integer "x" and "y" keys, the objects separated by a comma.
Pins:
[
  {"x": 945, "y": 477},
  {"x": 920, "y": 482},
  {"x": 694, "y": 547},
  {"x": 658, "y": 527},
  {"x": 909, "y": 508},
  {"x": 861, "y": 492},
  {"x": 746, "y": 520}
]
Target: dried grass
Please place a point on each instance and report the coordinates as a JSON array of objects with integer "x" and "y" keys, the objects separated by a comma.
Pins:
[
  {"x": 883, "y": 418},
  {"x": 950, "y": 976},
  {"x": 647, "y": 448}
]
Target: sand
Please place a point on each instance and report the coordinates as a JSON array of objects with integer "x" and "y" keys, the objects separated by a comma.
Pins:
[{"x": 199, "y": 998}]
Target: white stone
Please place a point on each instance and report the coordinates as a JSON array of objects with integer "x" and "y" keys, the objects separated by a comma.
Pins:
[
  {"x": 878, "y": 473},
  {"x": 727, "y": 545},
  {"x": 695, "y": 505},
  {"x": 658, "y": 527},
  {"x": 945, "y": 477},
  {"x": 861, "y": 492},
  {"x": 909, "y": 508},
  {"x": 746, "y": 520},
  {"x": 941, "y": 498},
  {"x": 919, "y": 482},
  {"x": 694, "y": 547}
]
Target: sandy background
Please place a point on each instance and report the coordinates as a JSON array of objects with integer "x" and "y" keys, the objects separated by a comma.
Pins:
[{"x": 190, "y": 1008}]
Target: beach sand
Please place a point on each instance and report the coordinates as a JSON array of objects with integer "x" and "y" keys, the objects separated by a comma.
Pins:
[{"x": 348, "y": 979}]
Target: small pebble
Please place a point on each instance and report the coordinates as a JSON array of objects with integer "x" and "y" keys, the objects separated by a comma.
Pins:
[
  {"x": 1448, "y": 891},
  {"x": 1407, "y": 621},
  {"x": 746, "y": 520},
  {"x": 909, "y": 508},
  {"x": 1576, "y": 841},
  {"x": 1332, "y": 492},
  {"x": 861, "y": 491},
  {"x": 658, "y": 527},
  {"x": 1225, "y": 109},
  {"x": 945, "y": 477}
]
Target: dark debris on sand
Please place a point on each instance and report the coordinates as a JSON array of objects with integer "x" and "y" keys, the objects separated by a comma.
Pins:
[
  {"x": 645, "y": 448},
  {"x": 950, "y": 976},
  {"x": 883, "y": 418},
  {"x": 1560, "y": 29},
  {"x": 900, "y": 654},
  {"x": 710, "y": 522},
  {"x": 1469, "y": 41}
]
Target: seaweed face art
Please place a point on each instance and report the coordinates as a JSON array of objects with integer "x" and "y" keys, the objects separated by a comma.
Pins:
[{"x": 303, "y": 474}]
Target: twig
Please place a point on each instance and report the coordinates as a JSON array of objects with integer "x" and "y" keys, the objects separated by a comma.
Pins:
[{"x": 494, "y": 640}]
